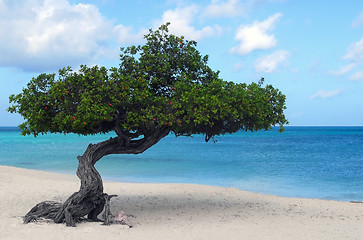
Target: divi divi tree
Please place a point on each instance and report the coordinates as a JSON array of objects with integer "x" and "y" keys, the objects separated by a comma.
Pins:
[{"x": 162, "y": 87}]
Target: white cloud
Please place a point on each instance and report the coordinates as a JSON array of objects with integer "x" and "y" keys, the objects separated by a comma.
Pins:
[
  {"x": 270, "y": 62},
  {"x": 358, "y": 21},
  {"x": 254, "y": 37},
  {"x": 42, "y": 35},
  {"x": 343, "y": 70},
  {"x": 357, "y": 76},
  {"x": 229, "y": 8},
  {"x": 354, "y": 55},
  {"x": 181, "y": 23},
  {"x": 323, "y": 94},
  {"x": 355, "y": 51},
  {"x": 126, "y": 34}
]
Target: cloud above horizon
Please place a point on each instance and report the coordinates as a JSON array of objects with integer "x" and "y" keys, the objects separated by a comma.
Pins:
[
  {"x": 324, "y": 94},
  {"x": 270, "y": 62},
  {"x": 358, "y": 21},
  {"x": 44, "y": 35},
  {"x": 343, "y": 70},
  {"x": 47, "y": 35},
  {"x": 354, "y": 55},
  {"x": 357, "y": 76},
  {"x": 181, "y": 20},
  {"x": 255, "y": 36},
  {"x": 217, "y": 8},
  {"x": 355, "y": 51}
]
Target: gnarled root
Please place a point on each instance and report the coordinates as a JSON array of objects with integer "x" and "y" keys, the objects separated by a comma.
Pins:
[
  {"x": 87, "y": 201},
  {"x": 74, "y": 209},
  {"x": 47, "y": 209}
]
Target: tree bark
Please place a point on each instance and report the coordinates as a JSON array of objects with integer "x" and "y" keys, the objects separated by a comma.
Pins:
[{"x": 90, "y": 199}]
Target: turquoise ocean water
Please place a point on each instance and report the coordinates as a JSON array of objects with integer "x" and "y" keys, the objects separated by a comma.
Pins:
[{"x": 307, "y": 162}]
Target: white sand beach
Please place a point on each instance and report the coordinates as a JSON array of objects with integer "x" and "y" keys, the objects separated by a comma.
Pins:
[{"x": 175, "y": 211}]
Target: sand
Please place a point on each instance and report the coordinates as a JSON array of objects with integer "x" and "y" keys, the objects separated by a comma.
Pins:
[{"x": 175, "y": 211}]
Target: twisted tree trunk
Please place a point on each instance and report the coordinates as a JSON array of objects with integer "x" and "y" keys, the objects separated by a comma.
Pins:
[{"x": 90, "y": 199}]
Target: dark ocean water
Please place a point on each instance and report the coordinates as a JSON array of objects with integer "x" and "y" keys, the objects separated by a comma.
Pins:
[{"x": 308, "y": 162}]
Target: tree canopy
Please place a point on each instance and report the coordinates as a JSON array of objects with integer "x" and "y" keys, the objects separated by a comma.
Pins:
[{"x": 165, "y": 83}]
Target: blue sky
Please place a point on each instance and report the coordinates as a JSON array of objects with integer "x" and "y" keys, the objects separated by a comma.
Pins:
[{"x": 311, "y": 50}]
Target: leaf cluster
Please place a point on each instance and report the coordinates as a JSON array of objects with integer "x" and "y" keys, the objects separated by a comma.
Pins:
[{"x": 165, "y": 82}]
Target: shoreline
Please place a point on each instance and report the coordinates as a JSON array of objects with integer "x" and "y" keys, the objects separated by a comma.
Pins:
[
  {"x": 112, "y": 179},
  {"x": 175, "y": 211}
]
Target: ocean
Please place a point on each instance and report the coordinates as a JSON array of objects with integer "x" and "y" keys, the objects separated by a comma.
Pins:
[{"x": 304, "y": 162}]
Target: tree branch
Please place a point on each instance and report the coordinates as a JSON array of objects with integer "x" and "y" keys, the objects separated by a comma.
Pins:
[{"x": 112, "y": 145}]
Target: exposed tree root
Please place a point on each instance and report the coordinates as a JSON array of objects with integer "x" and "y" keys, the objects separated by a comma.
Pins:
[{"x": 47, "y": 209}]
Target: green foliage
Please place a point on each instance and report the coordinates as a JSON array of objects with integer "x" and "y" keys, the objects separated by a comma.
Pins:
[{"x": 165, "y": 82}]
